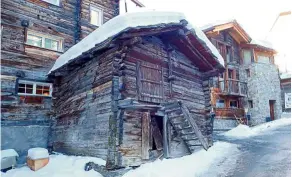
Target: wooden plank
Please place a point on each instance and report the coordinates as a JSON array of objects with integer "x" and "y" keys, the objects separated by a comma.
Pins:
[
  {"x": 165, "y": 137},
  {"x": 145, "y": 135},
  {"x": 157, "y": 136}
]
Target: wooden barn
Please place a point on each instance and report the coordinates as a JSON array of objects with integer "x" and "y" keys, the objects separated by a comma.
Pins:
[{"x": 132, "y": 91}]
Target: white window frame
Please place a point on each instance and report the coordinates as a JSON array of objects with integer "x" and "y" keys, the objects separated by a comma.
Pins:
[
  {"x": 100, "y": 11},
  {"x": 45, "y": 36},
  {"x": 35, "y": 84},
  {"x": 49, "y": 1}
]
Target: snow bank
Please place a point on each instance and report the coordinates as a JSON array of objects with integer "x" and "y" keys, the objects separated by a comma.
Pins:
[
  {"x": 37, "y": 153},
  {"x": 196, "y": 164},
  {"x": 243, "y": 131},
  {"x": 9, "y": 153},
  {"x": 60, "y": 166},
  {"x": 124, "y": 22}
]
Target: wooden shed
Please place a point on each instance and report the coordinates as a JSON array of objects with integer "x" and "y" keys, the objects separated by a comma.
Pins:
[{"x": 133, "y": 90}]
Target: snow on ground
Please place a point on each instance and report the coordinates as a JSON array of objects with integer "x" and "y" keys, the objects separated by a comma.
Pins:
[
  {"x": 196, "y": 164},
  {"x": 37, "y": 153},
  {"x": 243, "y": 131},
  {"x": 59, "y": 166},
  {"x": 9, "y": 153}
]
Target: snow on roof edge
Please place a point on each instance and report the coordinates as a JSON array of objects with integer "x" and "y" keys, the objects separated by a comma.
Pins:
[
  {"x": 262, "y": 43},
  {"x": 216, "y": 23},
  {"x": 123, "y": 22}
]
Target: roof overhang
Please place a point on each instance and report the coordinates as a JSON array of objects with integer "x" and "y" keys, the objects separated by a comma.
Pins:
[
  {"x": 235, "y": 30},
  {"x": 191, "y": 41}
]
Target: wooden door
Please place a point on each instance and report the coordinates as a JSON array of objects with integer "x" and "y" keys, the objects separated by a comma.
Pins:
[{"x": 272, "y": 110}]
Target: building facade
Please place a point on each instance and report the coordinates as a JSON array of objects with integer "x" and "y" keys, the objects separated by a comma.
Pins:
[
  {"x": 250, "y": 84},
  {"x": 34, "y": 33}
]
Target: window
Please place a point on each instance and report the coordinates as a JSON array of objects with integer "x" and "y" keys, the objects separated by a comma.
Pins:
[
  {"x": 229, "y": 54},
  {"x": 247, "y": 72},
  {"x": 96, "y": 16},
  {"x": 34, "y": 88},
  {"x": 220, "y": 103},
  {"x": 246, "y": 57},
  {"x": 230, "y": 73},
  {"x": 233, "y": 104},
  {"x": 250, "y": 104},
  {"x": 44, "y": 41},
  {"x": 263, "y": 59},
  {"x": 55, "y": 2}
]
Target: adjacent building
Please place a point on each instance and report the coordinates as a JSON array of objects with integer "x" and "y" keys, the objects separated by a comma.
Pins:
[
  {"x": 34, "y": 33},
  {"x": 250, "y": 84},
  {"x": 286, "y": 91}
]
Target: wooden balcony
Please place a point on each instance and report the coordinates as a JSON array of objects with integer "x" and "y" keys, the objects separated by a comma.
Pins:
[
  {"x": 229, "y": 112},
  {"x": 232, "y": 87}
]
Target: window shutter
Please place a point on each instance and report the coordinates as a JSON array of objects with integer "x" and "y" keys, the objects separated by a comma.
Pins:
[{"x": 150, "y": 82}]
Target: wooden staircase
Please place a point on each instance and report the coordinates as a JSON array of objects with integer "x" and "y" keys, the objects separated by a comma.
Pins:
[{"x": 184, "y": 124}]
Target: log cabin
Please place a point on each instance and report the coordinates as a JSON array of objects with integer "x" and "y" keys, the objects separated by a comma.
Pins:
[
  {"x": 132, "y": 91},
  {"x": 34, "y": 33},
  {"x": 242, "y": 89}
]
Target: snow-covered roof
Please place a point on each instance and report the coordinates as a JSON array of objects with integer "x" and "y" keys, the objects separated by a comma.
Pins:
[
  {"x": 262, "y": 43},
  {"x": 285, "y": 75},
  {"x": 216, "y": 23},
  {"x": 125, "y": 22}
]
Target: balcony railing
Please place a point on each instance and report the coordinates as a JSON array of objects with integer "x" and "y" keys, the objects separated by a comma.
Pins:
[
  {"x": 229, "y": 112},
  {"x": 233, "y": 87}
]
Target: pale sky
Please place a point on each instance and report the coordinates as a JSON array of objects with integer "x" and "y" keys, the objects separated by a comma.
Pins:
[{"x": 256, "y": 17}]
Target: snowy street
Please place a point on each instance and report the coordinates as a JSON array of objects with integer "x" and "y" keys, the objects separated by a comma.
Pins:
[
  {"x": 261, "y": 151},
  {"x": 265, "y": 155}
]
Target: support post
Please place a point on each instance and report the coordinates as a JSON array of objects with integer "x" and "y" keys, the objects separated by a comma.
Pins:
[{"x": 165, "y": 137}]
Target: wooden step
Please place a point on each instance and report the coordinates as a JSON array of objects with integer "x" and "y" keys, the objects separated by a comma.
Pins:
[
  {"x": 181, "y": 127},
  {"x": 192, "y": 139},
  {"x": 186, "y": 131},
  {"x": 175, "y": 116},
  {"x": 193, "y": 142},
  {"x": 175, "y": 122},
  {"x": 188, "y": 136}
]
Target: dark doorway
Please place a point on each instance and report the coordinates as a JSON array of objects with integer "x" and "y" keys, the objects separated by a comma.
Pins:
[
  {"x": 156, "y": 131},
  {"x": 272, "y": 109}
]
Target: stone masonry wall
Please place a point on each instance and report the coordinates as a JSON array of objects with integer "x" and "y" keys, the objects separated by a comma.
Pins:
[{"x": 263, "y": 85}]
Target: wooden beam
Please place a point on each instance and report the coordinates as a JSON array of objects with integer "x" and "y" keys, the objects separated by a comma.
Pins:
[
  {"x": 165, "y": 137},
  {"x": 145, "y": 135}
]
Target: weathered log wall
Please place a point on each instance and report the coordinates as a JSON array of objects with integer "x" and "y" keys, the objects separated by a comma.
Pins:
[
  {"x": 83, "y": 107},
  {"x": 70, "y": 21},
  {"x": 184, "y": 83}
]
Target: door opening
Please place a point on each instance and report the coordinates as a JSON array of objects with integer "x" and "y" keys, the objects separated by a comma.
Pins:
[
  {"x": 157, "y": 130},
  {"x": 272, "y": 109}
]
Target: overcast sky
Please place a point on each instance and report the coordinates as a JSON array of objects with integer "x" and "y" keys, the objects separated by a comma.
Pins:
[{"x": 256, "y": 17}]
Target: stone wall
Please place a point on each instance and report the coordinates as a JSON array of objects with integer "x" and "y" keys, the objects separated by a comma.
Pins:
[
  {"x": 263, "y": 85},
  {"x": 224, "y": 124}
]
